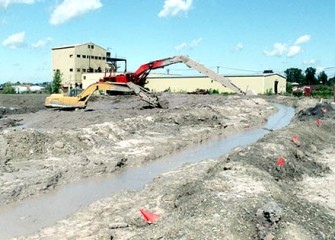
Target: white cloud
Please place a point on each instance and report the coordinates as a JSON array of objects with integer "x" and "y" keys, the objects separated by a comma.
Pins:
[
  {"x": 15, "y": 41},
  {"x": 181, "y": 46},
  {"x": 41, "y": 43},
  {"x": 6, "y": 3},
  {"x": 70, "y": 9},
  {"x": 239, "y": 47},
  {"x": 174, "y": 7},
  {"x": 293, "y": 50},
  {"x": 278, "y": 50},
  {"x": 310, "y": 62},
  {"x": 194, "y": 43},
  {"x": 320, "y": 69},
  {"x": 302, "y": 39}
]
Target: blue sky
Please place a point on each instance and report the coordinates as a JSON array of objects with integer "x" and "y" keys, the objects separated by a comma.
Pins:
[{"x": 239, "y": 36}]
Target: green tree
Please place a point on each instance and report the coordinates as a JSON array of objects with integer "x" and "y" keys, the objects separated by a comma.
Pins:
[
  {"x": 294, "y": 75},
  {"x": 331, "y": 81},
  {"x": 322, "y": 77},
  {"x": 55, "y": 85},
  {"x": 8, "y": 88},
  {"x": 310, "y": 76}
]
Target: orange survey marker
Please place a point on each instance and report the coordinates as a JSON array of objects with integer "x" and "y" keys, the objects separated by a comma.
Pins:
[
  {"x": 295, "y": 138},
  {"x": 318, "y": 122},
  {"x": 149, "y": 216},
  {"x": 281, "y": 162}
]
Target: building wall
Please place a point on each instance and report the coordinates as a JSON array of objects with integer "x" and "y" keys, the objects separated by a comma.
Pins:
[
  {"x": 258, "y": 84},
  {"x": 62, "y": 59},
  {"x": 251, "y": 83},
  {"x": 270, "y": 83},
  {"x": 75, "y": 60}
]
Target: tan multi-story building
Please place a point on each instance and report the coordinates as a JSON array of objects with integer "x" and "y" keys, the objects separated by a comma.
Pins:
[{"x": 74, "y": 60}]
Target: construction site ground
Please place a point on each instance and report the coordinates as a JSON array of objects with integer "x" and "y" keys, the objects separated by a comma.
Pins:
[{"x": 243, "y": 194}]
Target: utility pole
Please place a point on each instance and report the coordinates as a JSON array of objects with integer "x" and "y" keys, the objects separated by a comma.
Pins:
[{"x": 217, "y": 69}]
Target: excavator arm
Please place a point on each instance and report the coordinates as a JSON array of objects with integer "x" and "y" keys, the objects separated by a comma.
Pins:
[
  {"x": 80, "y": 101},
  {"x": 140, "y": 75},
  {"x": 208, "y": 72}
]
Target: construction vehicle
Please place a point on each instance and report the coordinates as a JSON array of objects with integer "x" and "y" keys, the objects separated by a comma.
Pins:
[{"x": 134, "y": 83}]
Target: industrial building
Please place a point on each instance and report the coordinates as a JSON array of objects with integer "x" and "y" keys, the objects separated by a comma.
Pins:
[
  {"x": 74, "y": 60},
  {"x": 257, "y": 84}
]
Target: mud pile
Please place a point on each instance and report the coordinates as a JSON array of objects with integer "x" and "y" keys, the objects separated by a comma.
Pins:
[
  {"x": 245, "y": 194},
  {"x": 51, "y": 147}
]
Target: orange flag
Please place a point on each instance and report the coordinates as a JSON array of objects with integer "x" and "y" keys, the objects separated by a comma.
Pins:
[
  {"x": 318, "y": 122},
  {"x": 281, "y": 162},
  {"x": 295, "y": 138},
  {"x": 149, "y": 216}
]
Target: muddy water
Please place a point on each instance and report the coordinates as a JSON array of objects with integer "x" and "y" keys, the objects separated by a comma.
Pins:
[{"x": 31, "y": 215}]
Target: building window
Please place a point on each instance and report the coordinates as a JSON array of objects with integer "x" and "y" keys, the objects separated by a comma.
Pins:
[
  {"x": 84, "y": 56},
  {"x": 99, "y": 58},
  {"x": 84, "y": 70},
  {"x": 71, "y": 69},
  {"x": 71, "y": 55},
  {"x": 78, "y": 69},
  {"x": 78, "y": 56},
  {"x": 84, "y": 77},
  {"x": 103, "y": 58}
]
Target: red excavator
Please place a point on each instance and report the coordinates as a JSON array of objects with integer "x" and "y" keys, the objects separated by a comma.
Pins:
[{"x": 134, "y": 83}]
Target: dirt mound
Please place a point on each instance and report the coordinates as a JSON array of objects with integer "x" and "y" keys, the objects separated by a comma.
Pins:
[
  {"x": 243, "y": 195},
  {"x": 246, "y": 194},
  {"x": 21, "y": 103},
  {"x": 85, "y": 143},
  {"x": 319, "y": 111}
]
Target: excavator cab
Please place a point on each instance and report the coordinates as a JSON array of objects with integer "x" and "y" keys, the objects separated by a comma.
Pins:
[{"x": 75, "y": 92}]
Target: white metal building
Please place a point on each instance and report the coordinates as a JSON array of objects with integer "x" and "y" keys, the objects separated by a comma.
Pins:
[{"x": 257, "y": 84}]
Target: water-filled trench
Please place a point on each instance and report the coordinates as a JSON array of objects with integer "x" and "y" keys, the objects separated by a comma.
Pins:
[{"x": 29, "y": 216}]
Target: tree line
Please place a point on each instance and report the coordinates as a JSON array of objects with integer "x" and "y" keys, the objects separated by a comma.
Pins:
[
  {"x": 308, "y": 77},
  {"x": 49, "y": 87}
]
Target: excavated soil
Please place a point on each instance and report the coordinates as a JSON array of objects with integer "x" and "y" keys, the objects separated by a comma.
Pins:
[{"x": 245, "y": 194}]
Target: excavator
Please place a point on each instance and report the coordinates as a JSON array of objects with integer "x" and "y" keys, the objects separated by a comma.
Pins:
[{"x": 134, "y": 83}]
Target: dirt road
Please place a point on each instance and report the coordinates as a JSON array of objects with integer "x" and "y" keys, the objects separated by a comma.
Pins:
[{"x": 243, "y": 195}]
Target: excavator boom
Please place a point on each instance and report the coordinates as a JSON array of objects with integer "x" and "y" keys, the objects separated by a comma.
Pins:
[
  {"x": 80, "y": 101},
  {"x": 140, "y": 75},
  {"x": 208, "y": 72}
]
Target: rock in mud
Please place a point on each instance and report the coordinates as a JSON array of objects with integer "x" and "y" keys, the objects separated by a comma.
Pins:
[{"x": 267, "y": 220}]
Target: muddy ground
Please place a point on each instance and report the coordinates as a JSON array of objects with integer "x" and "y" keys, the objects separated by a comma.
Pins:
[{"x": 242, "y": 195}]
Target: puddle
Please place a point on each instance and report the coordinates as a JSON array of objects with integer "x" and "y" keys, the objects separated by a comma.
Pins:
[{"x": 29, "y": 216}]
